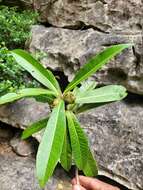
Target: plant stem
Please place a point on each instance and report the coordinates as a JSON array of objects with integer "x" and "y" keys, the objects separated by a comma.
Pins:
[{"x": 77, "y": 177}]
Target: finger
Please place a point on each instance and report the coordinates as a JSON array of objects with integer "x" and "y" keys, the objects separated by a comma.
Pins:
[
  {"x": 77, "y": 187},
  {"x": 90, "y": 183},
  {"x": 73, "y": 182},
  {"x": 95, "y": 184}
]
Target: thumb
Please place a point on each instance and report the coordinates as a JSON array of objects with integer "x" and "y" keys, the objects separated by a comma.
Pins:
[{"x": 77, "y": 187}]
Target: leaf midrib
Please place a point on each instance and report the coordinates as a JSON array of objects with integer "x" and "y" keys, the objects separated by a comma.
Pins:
[
  {"x": 71, "y": 118},
  {"x": 54, "y": 135}
]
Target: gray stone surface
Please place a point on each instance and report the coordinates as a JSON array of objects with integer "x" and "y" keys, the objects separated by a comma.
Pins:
[
  {"x": 22, "y": 147},
  {"x": 23, "y": 112},
  {"x": 18, "y": 173},
  {"x": 67, "y": 50},
  {"x": 115, "y": 133},
  {"x": 103, "y": 15}
]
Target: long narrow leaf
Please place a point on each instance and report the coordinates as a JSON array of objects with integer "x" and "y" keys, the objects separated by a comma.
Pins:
[
  {"x": 89, "y": 163},
  {"x": 45, "y": 98},
  {"x": 104, "y": 94},
  {"x": 95, "y": 64},
  {"x": 50, "y": 148},
  {"x": 78, "y": 141},
  {"x": 87, "y": 107},
  {"x": 27, "y": 92},
  {"x": 66, "y": 155},
  {"x": 85, "y": 86},
  {"x": 90, "y": 168},
  {"x": 43, "y": 75},
  {"x": 34, "y": 128}
]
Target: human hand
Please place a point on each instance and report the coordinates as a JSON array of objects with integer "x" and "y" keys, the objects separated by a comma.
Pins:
[{"x": 88, "y": 183}]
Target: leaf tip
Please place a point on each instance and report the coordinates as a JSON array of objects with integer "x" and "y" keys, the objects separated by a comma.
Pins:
[{"x": 42, "y": 183}]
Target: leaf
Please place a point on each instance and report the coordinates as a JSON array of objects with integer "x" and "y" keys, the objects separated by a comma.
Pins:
[
  {"x": 66, "y": 155},
  {"x": 27, "y": 92},
  {"x": 31, "y": 65},
  {"x": 34, "y": 128},
  {"x": 86, "y": 107},
  {"x": 50, "y": 148},
  {"x": 95, "y": 64},
  {"x": 90, "y": 169},
  {"x": 78, "y": 141},
  {"x": 45, "y": 99},
  {"x": 108, "y": 93},
  {"x": 88, "y": 85},
  {"x": 85, "y": 86}
]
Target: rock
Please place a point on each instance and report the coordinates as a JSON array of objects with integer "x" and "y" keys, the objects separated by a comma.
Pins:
[
  {"x": 67, "y": 50},
  {"x": 103, "y": 15},
  {"x": 4, "y": 148},
  {"x": 22, "y": 147},
  {"x": 18, "y": 173},
  {"x": 23, "y": 112}
]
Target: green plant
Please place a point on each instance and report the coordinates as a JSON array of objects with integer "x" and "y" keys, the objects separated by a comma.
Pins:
[
  {"x": 63, "y": 138},
  {"x": 12, "y": 75},
  {"x": 15, "y": 25}
]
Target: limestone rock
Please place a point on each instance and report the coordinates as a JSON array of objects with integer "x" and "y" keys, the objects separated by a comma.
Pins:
[
  {"x": 22, "y": 147},
  {"x": 18, "y": 173},
  {"x": 103, "y": 15},
  {"x": 23, "y": 112},
  {"x": 67, "y": 50}
]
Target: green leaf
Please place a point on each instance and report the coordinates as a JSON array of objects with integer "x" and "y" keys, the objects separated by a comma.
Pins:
[
  {"x": 45, "y": 99},
  {"x": 50, "y": 148},
  {"x": 78, "y": 141},
  {"x": 108, "y": 93},
  {"x": 86, "y": 107},
  {"x": 27, "y": 92},
  {"x": 90, "y": 168},
  {"x": 95, "y": 64},
  {"x": 31, "y": 65},
  {"x": 34, "y": 128},
  {"x": 66, "y": 155},
  {"x": 85, "y": 86}
]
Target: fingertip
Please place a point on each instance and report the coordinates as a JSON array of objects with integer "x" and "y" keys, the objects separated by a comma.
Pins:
[{"x": 73, "y": 181}]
